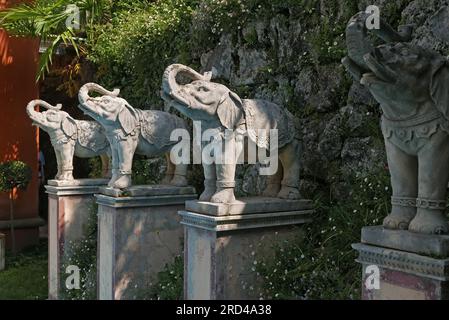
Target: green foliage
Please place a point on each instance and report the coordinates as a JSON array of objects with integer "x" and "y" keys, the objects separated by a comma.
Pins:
[
  {"x": 170, "y": 281},
  {"x": 83, "y": 254},
  {"x": 46, "y": 19},
  {"x": 321, "y": 266},
  {"x": 135, "y": 47},
  {"x": 25, "y": 276},
  {"x": 148, "y": 171},
  {"x": 14, "y": 174}
]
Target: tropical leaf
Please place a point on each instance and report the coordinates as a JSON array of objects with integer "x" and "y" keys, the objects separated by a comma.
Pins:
[{"x": 47, "y": 19}]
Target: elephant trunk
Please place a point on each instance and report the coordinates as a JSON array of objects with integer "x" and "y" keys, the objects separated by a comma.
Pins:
[
  {"x": 37, "y": 116},
  {"x": 356, "y": 39},
  {"x": 83, "y": 94},
  {"x": 170, "y": 85},
  {"x": 357, "y": 32}
]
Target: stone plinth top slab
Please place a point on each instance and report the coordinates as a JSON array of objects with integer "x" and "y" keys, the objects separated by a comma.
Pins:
[
  {"x": 403, "y": 261},
  {"x": 247, "y": 221},
  {"x": 147, "y": 191},
  {"x": 78, "y": 182},
  {"x": 404, "y": 240},
  {"x": 82, "y": 187},
  {"x": 250, "y": 205},
  {"x": 145, "y": 196}
]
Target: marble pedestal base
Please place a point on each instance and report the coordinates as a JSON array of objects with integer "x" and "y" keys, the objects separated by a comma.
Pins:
[
  {"x": 138, "y": 234},
  {"x": 408, "y": 266},
  {"x": 222, "y": 242},
  {"x": 70, "y": 205},
  {"x": 2, "y": 251}
]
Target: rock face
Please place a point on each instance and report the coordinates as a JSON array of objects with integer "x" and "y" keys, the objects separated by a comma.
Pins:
[{"x": 279, "y": 59}]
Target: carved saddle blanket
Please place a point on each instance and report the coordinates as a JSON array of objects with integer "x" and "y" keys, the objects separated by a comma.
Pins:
[
  {"x": 156, "y": 126},
  {"x": 423, "y": 126},
  {"x": 261, "y": 116},
  {"x": 91, "y": 135}
]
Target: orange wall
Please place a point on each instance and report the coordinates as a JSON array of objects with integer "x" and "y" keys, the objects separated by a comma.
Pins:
[{"x": 18, "y": 139}]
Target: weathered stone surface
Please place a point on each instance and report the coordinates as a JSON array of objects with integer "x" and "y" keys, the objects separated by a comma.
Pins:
[
  {"x": 219, "y": 250},
  {"x": 148, "y": 190},
  {"x": 138, "y": 236},
  {"x": 404, "y": 240},
  {"x": 69, "y": 211},
  {"x": 250, "y": 205},
  {"x": 78, "y": 182},
  {"x": 402, "y": 275}
]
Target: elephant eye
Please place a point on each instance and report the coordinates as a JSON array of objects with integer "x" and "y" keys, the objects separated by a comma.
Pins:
[{"x": 204, "y": 89}]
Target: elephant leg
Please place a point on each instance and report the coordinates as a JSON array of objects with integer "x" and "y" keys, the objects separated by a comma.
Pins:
[
  {"x": 433, "y": 178},
  {"x": 115, "y": 166},
  {"x": 170, "y": 170},
  {"x": 210, "y": 181},
  {"x": 179, "y": 176},
  {"x": 125, "y": 150},
  {"x": 289, "y": 157},
  {"x": 59, "y": 163},
  {"x": 274, "y": 183},
  {"x": 105, "y": 166},
  {"x": 404, "y": 182},
  {"x": 225, "y": 169},
  {"x": 67, "y": 162}
]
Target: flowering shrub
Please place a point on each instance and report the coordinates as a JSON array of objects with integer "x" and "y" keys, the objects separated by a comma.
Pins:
[
  {"x": 322, "y": 266},
  {"x": 170, "y": 281}
]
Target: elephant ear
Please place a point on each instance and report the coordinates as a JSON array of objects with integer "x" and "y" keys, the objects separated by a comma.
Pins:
[
  {"x": 229, "y": 110},
  {"x": 439, "y": 87},
  {"x": 127, "y": 119},
  {"x": 69, "y": 127}
]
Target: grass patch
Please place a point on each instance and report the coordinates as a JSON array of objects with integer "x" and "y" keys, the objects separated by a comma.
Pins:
[{"x": 25, "y": 276}]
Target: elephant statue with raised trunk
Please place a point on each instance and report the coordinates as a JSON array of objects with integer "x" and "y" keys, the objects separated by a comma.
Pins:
[
  {"x": 233, "y": 119},
  {"x": 130, "y": 130},
  {"x": 412, "y": 86},
  {"x": 70, "y": 137}
]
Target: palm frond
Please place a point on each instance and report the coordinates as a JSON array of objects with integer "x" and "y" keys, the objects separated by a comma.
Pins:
[{"x": 47, "y": 19}]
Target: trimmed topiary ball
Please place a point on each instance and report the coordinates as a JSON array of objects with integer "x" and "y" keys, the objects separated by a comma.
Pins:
[{"x": 14, "y": 174}]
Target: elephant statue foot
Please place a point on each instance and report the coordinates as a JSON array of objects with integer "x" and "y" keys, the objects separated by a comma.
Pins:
[
  {"x": 223, "y": 195},
  {"x": 209, "y": 190},
  {"x": 429, "y": 222},
  {"x": 178, "y": 181},
  {"x": 290, "y": 193},
  {"x": 399, "y": 218},
  {"x": 272, "y": 190},
  {"x": 114, "y": 176},
  {"x": 123, "y": 181},
  {"x": 65, "y": 175}
]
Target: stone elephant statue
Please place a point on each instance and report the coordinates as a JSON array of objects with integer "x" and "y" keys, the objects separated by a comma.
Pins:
[
  {"x": 130, "y": 130},
  {"x": 412, "y": 86},
  {"x": 220, "y": 109},
  {"x": 70, "y": 137}
]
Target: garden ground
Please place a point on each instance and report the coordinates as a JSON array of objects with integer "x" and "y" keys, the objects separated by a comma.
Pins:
[{"x": 25, "y": 276}]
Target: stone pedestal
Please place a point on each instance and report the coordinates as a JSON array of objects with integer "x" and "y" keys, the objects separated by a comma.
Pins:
[
  {"x": 406, "y": 265},
  {"x": 138, "y": 234},
  {"x": 70, "y": 205},
  {"x": 223, "y": 242},
  {"x": 2, "y": 251}
]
